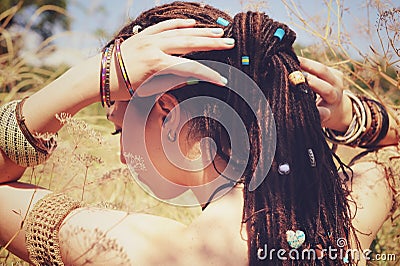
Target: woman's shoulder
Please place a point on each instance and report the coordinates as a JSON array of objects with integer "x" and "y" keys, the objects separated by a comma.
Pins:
[{"x": 93, "y": 235}]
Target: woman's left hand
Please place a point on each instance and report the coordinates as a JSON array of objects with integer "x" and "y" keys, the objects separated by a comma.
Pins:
[{"x": 334, "y": 107}]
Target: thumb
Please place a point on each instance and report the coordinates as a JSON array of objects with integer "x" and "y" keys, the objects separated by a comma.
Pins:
[{"x": 324, "y": 114}]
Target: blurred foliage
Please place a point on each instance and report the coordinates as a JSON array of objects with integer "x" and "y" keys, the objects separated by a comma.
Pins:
[
  {"x": 19, "y": 72},
  {"x": 45, "y": 24}
]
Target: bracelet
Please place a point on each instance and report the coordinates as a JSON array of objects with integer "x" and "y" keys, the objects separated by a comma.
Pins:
[
  {"x": 121, "y": 65},
  {"x": 42, "y": 226},
  {"x": 359, "y": 133},
  {"x": 105, "y": 76},
  {"x": 357, "y": 126},
  {"x": 384, "y": 126},
  {"x": 374, "y": 125},
  {"x": 17, "y": 141}
]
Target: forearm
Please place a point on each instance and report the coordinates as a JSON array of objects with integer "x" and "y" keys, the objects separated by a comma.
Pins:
[{"x": 70, "y": 93}]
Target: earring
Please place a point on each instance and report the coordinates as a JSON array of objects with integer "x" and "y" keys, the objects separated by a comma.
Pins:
[{"x": 171, "y": 138}]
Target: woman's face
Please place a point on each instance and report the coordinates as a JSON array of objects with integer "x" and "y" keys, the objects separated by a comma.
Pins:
[{"x": 159, "y": 159}]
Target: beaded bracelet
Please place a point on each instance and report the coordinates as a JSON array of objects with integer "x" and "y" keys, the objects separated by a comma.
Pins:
[
  {"x": 383, "y": 126},
  {"x": 121, "y": 65},
  {"x": 370, "y": 134},
  {"x": 105, "y": 76}
]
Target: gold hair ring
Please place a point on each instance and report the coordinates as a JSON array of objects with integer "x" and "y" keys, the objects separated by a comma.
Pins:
[{"x": 296, "y": 78}]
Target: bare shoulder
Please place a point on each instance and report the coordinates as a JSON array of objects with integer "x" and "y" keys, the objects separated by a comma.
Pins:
[{"x": 94, "y": 236}]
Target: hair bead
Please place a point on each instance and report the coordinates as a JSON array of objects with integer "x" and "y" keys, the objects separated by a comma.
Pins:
[
  {"x": 280, "y": 33},
  {"x": 311, "y": 156},
  {"x": 284, "y": 169},
  {"x": 296, "y": 78},
  {"x": 222, "y": 22},
  {"x": 245, "y": 60},
  {"x": 136, "y": 29}
]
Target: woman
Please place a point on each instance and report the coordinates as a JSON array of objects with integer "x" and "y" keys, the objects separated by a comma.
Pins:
[{"x": 302, "y": 202}]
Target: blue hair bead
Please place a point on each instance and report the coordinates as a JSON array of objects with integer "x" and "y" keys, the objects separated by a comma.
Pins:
[
  {"x": 222, "y": 21},
  {"x": 279, "y": 33},
  {"x": 245, "y": 60}
]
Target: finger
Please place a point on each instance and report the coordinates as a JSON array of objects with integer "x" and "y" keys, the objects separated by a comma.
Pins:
[
  {"x": 169, "y": 25},
  {"x": 327, "y": 92},
  {"x": 191, "y": 69},
  {"x": 186, "y": 44},
  {"x": 161, "y": 83},
  {"x": 192, "y": 32},
  {"x": 317, "y": 69}
]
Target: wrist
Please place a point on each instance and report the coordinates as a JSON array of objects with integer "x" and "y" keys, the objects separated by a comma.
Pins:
[{"x": 347, "y": 114}]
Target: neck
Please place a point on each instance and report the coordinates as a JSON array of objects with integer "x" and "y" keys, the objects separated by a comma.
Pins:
[{"x": 214, "y": 185}]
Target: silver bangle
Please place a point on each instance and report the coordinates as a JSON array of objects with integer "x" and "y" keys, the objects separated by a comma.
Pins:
[{"x": 356, "y": 127}]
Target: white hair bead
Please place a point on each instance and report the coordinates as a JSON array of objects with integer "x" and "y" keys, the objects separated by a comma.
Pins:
[{"x": 284, "y": 169}]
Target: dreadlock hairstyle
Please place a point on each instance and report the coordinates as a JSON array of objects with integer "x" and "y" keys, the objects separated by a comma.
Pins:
[{"x": 311, "y": 198}]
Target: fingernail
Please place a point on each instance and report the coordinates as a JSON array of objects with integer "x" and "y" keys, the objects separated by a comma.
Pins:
[
  {"x": 229, "y": 41},
  {"x": 190, "y": 21},
  {"x": 217, "y": 30},
  {"x": 224, "y": 80},
  {"x": 192, "y": 81}
]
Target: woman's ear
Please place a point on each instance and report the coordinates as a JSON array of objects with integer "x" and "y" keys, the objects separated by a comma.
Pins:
[{"x": 169, "y": 110}]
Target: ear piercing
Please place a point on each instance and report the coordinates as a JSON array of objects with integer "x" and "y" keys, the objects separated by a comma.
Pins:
[{"x": 171, "y": 136}]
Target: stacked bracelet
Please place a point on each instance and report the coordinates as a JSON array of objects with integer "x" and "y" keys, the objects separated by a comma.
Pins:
[
  {"x": 121, "y": 65},
  {"x": 363, "y": 132},
  {"x": 357, "y": 126},
  {"x": 17, "y": 141},
  {"x": 105, "y": 76},
  {"x": 107, "y": 54}
]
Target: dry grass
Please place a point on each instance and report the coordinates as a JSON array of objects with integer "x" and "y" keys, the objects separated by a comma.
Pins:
[{"x": 86, "y": 163}]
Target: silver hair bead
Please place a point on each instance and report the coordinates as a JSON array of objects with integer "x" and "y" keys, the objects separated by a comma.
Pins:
[{"x": 284, "y": 169}]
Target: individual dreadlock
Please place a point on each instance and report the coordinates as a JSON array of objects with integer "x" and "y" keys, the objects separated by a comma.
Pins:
[{"x": 310, "y": 198}]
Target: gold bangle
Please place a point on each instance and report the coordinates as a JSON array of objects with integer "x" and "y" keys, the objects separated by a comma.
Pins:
[
  {"x": 17, "y": 142},
  {"x": 42, "y": 226}
]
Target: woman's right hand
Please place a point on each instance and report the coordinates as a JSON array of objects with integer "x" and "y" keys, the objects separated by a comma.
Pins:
[
  {"x": 335, "y": 108},
  {"x": 151, "y": 51}
]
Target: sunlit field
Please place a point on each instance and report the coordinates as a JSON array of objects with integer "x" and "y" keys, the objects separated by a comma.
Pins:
[{"x": 86, "y": 163}]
